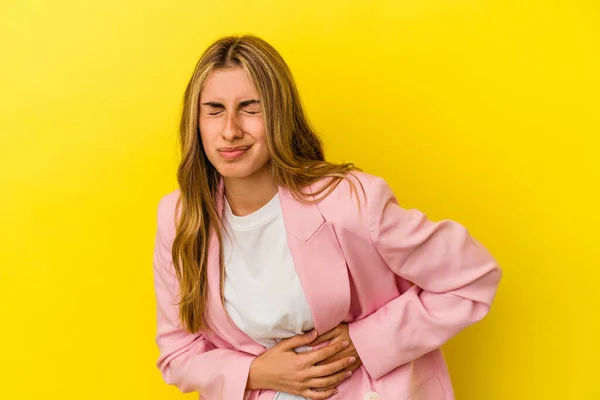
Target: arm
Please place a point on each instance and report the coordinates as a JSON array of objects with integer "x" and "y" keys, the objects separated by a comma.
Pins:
[
  {"x": 455, "y": 280},
  {"x": 189, "y": 361}
]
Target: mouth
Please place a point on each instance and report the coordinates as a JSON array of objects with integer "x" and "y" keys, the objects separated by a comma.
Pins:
[{"x": 231, "y": 153}]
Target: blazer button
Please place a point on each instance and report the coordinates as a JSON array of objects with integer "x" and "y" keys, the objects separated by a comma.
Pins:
[{"x": 372, "y": 396}]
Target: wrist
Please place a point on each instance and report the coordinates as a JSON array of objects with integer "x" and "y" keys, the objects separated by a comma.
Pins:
[{"x": 254, "y": 376}]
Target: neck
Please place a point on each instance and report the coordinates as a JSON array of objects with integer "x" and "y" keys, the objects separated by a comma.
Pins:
[{"x": 246, "y": 195}]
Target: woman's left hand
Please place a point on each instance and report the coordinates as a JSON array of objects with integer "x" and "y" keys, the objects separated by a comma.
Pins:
[{"x": 339, "y": 334}]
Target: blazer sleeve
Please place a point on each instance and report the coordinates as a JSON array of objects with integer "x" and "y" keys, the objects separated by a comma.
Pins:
[
  {"x": 455, "y": 280},
  {"x": 189, "y": 361}
]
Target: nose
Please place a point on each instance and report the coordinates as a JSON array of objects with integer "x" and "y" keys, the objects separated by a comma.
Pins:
[{"x": 232, "y": 129}]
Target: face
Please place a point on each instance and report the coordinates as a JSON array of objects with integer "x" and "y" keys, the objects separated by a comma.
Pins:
[{"x": 231, "y": 124}]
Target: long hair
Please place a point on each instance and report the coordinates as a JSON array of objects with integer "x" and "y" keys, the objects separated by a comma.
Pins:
[{"x": 296, "y": 161}]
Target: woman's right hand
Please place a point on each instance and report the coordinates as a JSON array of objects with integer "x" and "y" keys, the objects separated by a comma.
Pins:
[{"x": 282, "y": 369}]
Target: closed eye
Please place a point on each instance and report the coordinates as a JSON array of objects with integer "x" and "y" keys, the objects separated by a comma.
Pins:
[
  {"x": 214, "y": 107},
  {"x": 217, "y": 108}
]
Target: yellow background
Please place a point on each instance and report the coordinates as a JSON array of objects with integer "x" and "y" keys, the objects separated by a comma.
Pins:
[{"x": 486, "y": 112}]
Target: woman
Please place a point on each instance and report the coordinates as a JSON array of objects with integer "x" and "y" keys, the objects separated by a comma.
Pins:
[{"x": 281, "y": 275}]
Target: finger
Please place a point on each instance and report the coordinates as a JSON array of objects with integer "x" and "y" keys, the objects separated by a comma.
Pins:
[
  {"x": 329, "y": 387},
  {"x": 355, "y": 365},
  {"x": 329, "y": 381},
  {"x": 347, "y": 352},
  {"x": 319, "y": 395},
  {"x": 298, "y": 340},
  {"x": 333, "y": 367},
  {"x": 324, "y": 353},
  {"x": 324, "y": 337},
  {"x": 337, "y": 356}
]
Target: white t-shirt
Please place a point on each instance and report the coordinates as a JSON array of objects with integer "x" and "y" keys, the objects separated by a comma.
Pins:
[{"x": 263, "y": 295}]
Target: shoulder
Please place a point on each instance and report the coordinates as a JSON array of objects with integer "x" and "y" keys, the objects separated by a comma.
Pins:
[
  {"x": 354, "y": 198},
  {"x": 165, "y": 231},
  {"x": 166, "y": 212},
  {"x": 355, "y": 186},
  {"x": 169, "y": 200}
]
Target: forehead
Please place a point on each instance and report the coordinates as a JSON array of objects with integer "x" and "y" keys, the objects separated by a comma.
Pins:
[{"x": 228, "y": 84}]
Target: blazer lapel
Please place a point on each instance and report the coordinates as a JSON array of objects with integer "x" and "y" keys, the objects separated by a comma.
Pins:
[
  {"x": 319, "y": 261},
  {"x": 320, "y": 265}
]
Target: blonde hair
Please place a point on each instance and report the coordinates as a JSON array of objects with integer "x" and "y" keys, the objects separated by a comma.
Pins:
[{"x": 296, "y": 161}]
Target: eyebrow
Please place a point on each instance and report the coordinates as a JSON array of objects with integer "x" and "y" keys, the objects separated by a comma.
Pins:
[{"x": 241, "y": 104}]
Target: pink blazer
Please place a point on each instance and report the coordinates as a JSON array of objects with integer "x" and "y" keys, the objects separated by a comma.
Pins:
[{"x": 404, "y": 284}]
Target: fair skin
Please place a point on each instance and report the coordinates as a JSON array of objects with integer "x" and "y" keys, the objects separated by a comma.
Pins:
[
  {"x": 232, "y": 130},
  {"x": 233, "y": 137}
]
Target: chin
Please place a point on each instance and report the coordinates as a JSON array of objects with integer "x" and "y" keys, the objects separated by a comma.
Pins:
[{"x": 234, "y": 171}]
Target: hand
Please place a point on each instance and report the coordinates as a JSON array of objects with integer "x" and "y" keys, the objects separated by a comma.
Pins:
[
  {"x": 282, "y": 369},
  {"x": 336, "y": 335}
]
